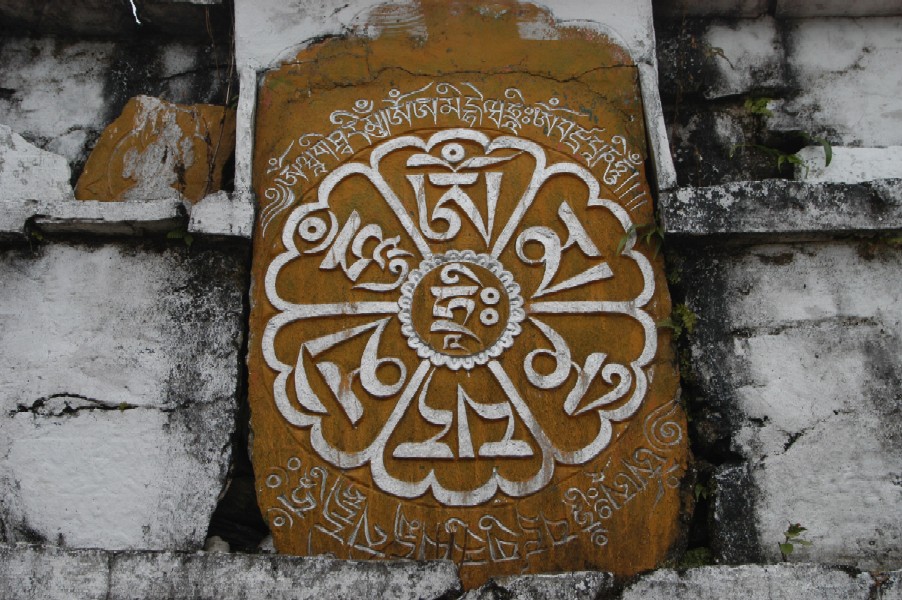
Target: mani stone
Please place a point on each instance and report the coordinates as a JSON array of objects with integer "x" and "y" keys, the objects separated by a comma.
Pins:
[
  {"x": 156, "y": 149},
  {"x": 453, "y": 351}
]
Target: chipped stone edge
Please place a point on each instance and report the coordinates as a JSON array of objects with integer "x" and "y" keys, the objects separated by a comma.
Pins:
[
  {"x": 218, "y": 215},
  {"x": 783, "y": 209}
]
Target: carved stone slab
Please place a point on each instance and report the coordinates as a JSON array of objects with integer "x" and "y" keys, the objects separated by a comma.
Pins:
[
  {"x": 454, "y": 351},
  {"x": 157, "y": 149}
]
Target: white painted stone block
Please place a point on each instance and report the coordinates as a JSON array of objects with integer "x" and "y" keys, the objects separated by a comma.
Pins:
[
  {"x": 747, "y": 54},
  {"x": 118, "y": 376},
  {"x": 800, "y": 345},
  {"x": 223, "y": 214},
  {"x": 850, "y": 165},
  {"x": 847, "y": 71},
  {"x": 29, "y": 173}
]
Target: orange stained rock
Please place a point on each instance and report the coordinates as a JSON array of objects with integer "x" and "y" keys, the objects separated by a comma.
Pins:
[
  {"x": 453, "y": 347},
  {"x": 157, "y": 149}
]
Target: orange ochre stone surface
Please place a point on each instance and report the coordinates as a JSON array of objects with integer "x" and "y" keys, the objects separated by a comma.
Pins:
[
  {"x": 454, "y": 351},
  {"x": 157, "y": 149}
]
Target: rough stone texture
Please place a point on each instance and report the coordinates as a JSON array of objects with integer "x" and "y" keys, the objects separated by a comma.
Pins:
[
  {"x": 107, "y": 218},
  {"x": 157, "y": 149},
  {"x": 849, "y": 165},
  {"x": 47, "y": 573},
  {"x": 31, "y": 573},
  {"x": 840, "y": 67},
  {"x": 838, "y": 8},
  {"x": 797, "y": 354},
  {"x": 778, "y": 207},
  {"x": 585, "y": 585},
  {"x": 824, "y": 77},
  {"x": 60, "y": 93},
  {"x": 890, "y": 586},
  {"x": 710, "y": 8},
  {"x": 827, "y": 76},
  {"x": 217, "y": 576},
  {"x": 223, "y": 214},
  {"x": 29, "y": 173},
  {"x": 734, "y": 500},
  {"x": 747, "y": 55},
  {"x": 170, "y": 18},
  {"x": 751, "y": 582},
  {"x": 118, "y": 392}
]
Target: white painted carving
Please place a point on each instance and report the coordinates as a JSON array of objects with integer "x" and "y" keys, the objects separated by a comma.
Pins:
[
  {"x": 460, "y": 310},
  {"x": 444, "y": 104}
]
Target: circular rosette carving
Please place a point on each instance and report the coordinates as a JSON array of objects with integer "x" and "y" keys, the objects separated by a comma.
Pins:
[{"x": 459, "y": 313}]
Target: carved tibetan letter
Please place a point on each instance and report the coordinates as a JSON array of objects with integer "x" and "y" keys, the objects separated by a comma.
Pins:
[{"x": 454, "y": 351}]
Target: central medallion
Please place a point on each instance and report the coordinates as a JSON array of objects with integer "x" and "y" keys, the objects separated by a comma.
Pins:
[{"x": 460, "y": 309}]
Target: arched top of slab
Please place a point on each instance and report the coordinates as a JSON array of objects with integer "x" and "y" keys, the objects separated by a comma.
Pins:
[{"x": 269, "y": 33}]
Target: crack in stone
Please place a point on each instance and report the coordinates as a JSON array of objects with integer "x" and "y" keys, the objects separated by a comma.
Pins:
[{"x": 66, "y": 404}]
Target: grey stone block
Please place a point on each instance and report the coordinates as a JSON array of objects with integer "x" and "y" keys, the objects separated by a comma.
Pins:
[
  {"x": 215, "y": 576},
  {"x": 780, "y": 208},
  {"x": 586, "y": 585},
  {"x": 751, "y": 582},
  {"x": 710, "y": 8},
  {"x": 31, "y": 573},
  {"x": 47, "y": 573}
]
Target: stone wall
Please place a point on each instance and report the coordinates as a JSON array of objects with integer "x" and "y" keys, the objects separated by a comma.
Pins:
[{"x": 123, "y": 429}]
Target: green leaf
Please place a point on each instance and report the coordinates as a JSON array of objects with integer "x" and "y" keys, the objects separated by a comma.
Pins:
[
  {"x": 684, "y": 315},
  {"x": 828, "y": 150},
  {"x": 696, "y": 557},
  {"x": 786, "y": 549},
  {"x": 794, "y": 530},
  {"x": 670, "y": 324},
  {"x": 803, "y": 542},
  {"x": 176, "y": 234},
  {"x": 758, "y": 106},
  {"x": 625, "y": 239}
]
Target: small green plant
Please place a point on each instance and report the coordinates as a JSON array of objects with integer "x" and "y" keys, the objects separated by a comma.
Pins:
[
  {"x": 696, "y": 557},
  {"x": 712, "y": 51},
  {"x": 649, "y": 233},
  {"x": 758, "y": 106},
  {"x": 681, "y": 319},
  {"x": 779, "y": 156},
  {"x": 792, "y": 537},
  {"x": 703, "y": 491},
  {"x": 828, "y": 149},
  {"x": 181, "y": 234}
]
